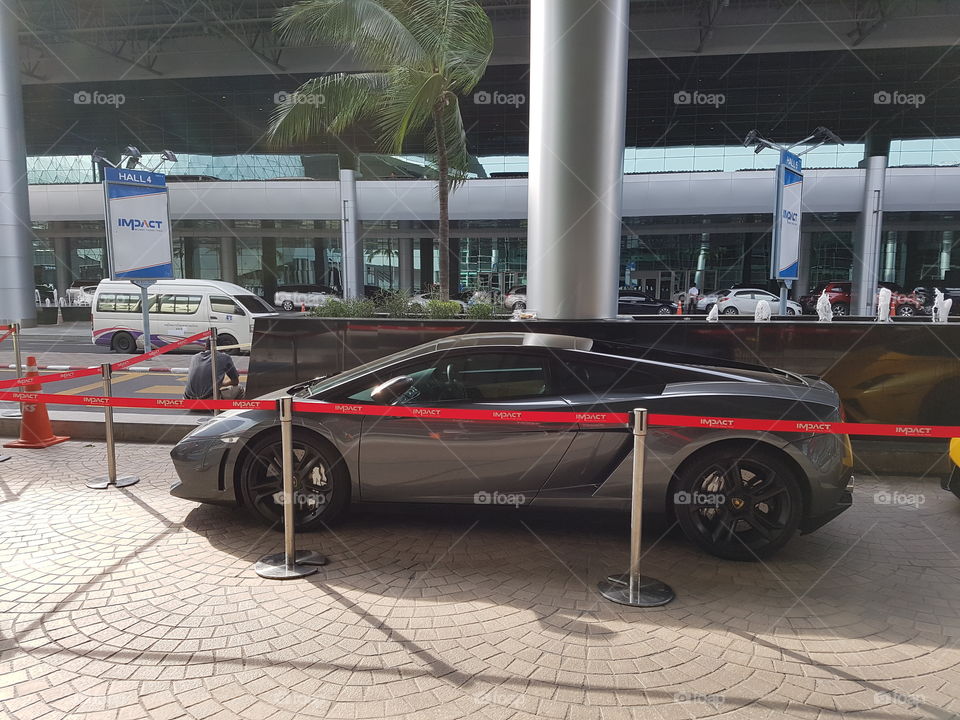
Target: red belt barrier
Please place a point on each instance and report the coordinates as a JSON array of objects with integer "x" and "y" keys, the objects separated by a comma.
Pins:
[
  {"x": 120, "y": 365},
  {"x": 7, "y": 334},
  {"x": 72, "y": 374},
  {"x": 159, "y": 403},
  {"x": 508, "y": 416}
]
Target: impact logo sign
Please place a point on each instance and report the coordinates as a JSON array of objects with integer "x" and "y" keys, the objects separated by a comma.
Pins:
[{"x": 139, "y": 224}]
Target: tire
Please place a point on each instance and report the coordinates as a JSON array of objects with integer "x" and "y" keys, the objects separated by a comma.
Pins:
[
  {"x": 123, "y": 343},
  {"x": 320, "y": 498},
  {"x": 731, "y": 311},
  {"x": 906, "y": 310},
  {"x": 225, "y": 340},
  {"x": 287, "y": 305},
  {"x": 791, "y": 311},
  {"x": 664, "y": 310},
  {"x": 709, "y": 307},
  {"x": 519, "y": 305},
  {"x": 841, "y": 309},
  {"x": 709, "y": 487}
]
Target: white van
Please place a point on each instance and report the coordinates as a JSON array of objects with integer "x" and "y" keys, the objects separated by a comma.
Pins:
[{"x": 178, "y": 309}]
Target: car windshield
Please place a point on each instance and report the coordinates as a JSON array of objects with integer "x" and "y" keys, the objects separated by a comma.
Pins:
[
  {"x": 253, "y": 304},
  {"x": 330, "y": 381}
]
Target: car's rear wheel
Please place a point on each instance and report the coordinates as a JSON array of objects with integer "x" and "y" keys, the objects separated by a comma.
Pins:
[
  {"x": 738, "y": 503},
  {"x": 791, "y": 311},
  {"x": 287, "y": 305},
  {"x": 906, "y": 310},
  {"x": 730, "y": 311},
  {"x": 519, "y": 305},
  {"x": 841, "y": 309},
  {"x": 123, "y": 343},
  {"x": 228, "y": 341},
  {"x": 321, "y": 489},
  {"x": 665, "y": 310}
]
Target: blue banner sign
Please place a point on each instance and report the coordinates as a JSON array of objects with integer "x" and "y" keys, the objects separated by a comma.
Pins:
[{"x": 138, "y": 224}]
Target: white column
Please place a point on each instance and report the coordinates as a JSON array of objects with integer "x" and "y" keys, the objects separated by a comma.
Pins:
[
  {"x": 352, "y": 250},
  {"x": 16, "y": 238},
  {"x": 228, "y": 259},
  {"x": 866, "y": 241},
  {"x": 578, "y": 81}
]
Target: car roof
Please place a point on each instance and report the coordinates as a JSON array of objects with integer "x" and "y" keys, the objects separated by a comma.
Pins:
[{"x": 224, "y": 287}]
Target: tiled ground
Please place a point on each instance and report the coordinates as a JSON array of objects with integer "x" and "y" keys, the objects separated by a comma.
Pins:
[{"x": 130, "y": 604}]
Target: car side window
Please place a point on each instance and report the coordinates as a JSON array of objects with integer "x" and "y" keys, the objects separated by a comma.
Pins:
[
  {"x": 478, "y": 377},
  {"x": 578, "y": 377},
  {"x": 225, "y": 305}
]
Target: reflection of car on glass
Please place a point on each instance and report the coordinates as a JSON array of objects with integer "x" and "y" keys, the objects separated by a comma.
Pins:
[
  {"x": 745, "y": 300},
  {"x": 293, "y": 297},
  {"x": 839, "y": 294},
  {"x": 81, "y": 292},
  {"x": 737, "y": 494},
  {"x": 516, "y": 298},
  {"x": 926, "y": 296},
  {"x": 706, "y": 301},
  {"x": 637, "y": 302}
]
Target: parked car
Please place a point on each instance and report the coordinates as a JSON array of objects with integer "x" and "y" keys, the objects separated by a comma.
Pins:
[
  {"x": 637, "y": 302},
  {"x": 293, "y": 297},
  {"x": 736, "y": 493},
  {"x": 81, "y": 292},
  {"x": 744, "y": 302},
  {"x": 424, "y": 298},
  {"x": 839, "y": 292},
  {"x": 925, "y": 296},
  {"x": 516, "y": 298}
]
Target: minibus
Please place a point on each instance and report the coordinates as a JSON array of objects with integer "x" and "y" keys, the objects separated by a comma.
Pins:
[{"x": 178, "y": 309}]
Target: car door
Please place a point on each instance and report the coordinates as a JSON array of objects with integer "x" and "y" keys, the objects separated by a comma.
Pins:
[
  {"x": 745, "y": 301},
  {"x": 429, "y": 459}
]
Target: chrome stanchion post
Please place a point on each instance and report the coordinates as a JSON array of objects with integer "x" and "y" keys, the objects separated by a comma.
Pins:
[
  {"x": 15, "y": 327},
  {"x": 102, "y": 483},
  {"x": 632, "y": 588},
  {"x": 290, "y": 563},
  {"x": 213, "y": 366}
]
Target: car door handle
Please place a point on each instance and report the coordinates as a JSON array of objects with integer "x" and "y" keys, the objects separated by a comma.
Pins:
[{"x": 214, "y": 317}]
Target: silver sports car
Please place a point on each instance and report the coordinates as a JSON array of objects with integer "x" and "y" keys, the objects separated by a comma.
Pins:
[{"x": 737, "y": 494}]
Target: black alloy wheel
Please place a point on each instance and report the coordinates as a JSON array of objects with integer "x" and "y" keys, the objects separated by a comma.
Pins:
[
  {"x": 123, "y": 343},
  {"x": 738, "y": 504},
  {"x": 664, "y": 310},
  {"x": 321, "y": 489},
  {"x": 287, "y": 305},
  {"x": 906, "y": 310}
]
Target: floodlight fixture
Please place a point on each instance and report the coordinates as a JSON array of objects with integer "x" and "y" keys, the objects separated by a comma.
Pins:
[
  {"x": 165, "y": 156},
  {"x": 133, "y": 156},
  {"x": 97, "y": 157}
]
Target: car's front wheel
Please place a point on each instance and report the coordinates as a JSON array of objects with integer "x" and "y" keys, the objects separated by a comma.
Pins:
[
  {"x": 664, "y": 310},
  {"x": 840, "y": 309},
  {"x": 738, "y": 503},
  {"x": 906, "y": 310},
  {"x": 321, "y": 489}
]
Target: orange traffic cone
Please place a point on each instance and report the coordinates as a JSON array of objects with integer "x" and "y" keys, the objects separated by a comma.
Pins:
[
  {"x": 35, "y": 430},
  {"x": 680, "y": 308},
  {"x": 303, "y": 307}
]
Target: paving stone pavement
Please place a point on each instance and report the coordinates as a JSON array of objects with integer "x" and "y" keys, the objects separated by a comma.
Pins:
[{"x": 133, "y": 604}]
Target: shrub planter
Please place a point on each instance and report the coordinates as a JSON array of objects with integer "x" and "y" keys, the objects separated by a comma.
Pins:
[
  {"x": 47, "y": 315},
  {"x": 75, "y": 313}
]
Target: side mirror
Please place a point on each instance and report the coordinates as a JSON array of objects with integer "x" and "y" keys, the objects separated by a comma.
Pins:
[{"x": 387, "y": 392}]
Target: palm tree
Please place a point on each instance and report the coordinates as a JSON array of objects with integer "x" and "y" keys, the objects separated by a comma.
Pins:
[{"x": 422, "y": 56}]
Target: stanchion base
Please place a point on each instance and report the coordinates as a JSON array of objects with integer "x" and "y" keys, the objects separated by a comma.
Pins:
[
  {"x": 653, "y": 593},
  {"x": 102, "y": 483},
  {"x": 275, "y": 567},
  {"x": 11, "y": 414},
  {"x": 4, "y": 458}
]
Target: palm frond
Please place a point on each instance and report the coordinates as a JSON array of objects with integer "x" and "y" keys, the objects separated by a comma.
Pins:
[
  {"x": 374, "y": 30},
  {"x": 456, "y": 34},
  {"x": 328, "y": 104},
  {"x": 408, "y": 107}
]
